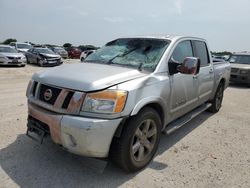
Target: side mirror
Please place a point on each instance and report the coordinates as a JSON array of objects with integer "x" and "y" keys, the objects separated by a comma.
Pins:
[{"x": 190, "y": 65}]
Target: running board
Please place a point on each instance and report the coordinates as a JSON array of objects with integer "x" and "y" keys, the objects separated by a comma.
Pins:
[{"x": 186, "y": 118}]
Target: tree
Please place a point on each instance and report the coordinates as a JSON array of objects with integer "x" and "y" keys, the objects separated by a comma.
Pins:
[
  {"x": 87, "y": 47},
  {"x": 67, "y": 45},
  {"x": 8, "y": 41}
]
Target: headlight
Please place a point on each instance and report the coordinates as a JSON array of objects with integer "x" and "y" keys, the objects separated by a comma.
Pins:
[
  {"x": 23, "y": 57},
  {"x": 108, "y": 101},
  {"x": 244, "y": 71}
]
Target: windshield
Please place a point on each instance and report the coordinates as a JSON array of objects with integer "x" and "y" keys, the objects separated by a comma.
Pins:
[
  {"x": 136, "y": 53},
  {"x": 240, "y": 59},
  {"x": 7, "y": 49},
  {"x": 23, "y": 46},
  {"x": 59, "y": 49},
  {"x": 44, "y": 51}
]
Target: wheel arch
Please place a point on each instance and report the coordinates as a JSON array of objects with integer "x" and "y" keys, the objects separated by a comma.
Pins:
[{"x": 156, "y": 105}]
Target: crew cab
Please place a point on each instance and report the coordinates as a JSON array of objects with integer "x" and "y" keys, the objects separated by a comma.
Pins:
[{"x": 117, "y": 102}]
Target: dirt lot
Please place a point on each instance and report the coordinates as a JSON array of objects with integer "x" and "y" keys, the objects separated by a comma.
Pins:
[{"x": 210, "y": 151}]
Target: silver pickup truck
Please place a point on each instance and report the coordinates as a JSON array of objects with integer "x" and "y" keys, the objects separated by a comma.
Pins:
[{"x": 117, "y": 102}]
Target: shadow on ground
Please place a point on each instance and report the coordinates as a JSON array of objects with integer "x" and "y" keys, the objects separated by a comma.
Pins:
[
  {"x": 239, "y": 86},
  {"x": 29, "y": 164}
]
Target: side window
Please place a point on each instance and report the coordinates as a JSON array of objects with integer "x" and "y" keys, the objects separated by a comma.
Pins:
[
  {"x": 201, "y": 52},
  {"x": 182, "y": 50}
]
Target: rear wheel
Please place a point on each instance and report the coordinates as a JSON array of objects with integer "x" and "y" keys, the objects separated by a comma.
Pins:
[
  {"x": 217, "y": 100},
  {"x": 139, "y": 141}
]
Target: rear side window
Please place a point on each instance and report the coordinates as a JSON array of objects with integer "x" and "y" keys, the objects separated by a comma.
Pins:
[
  {"x": 182, "y": 50},
  {"x": 201, "y": 52}
]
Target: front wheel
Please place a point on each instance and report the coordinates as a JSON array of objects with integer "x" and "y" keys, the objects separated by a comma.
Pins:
[
  {"x": 217, "y": 100},
  {"x": 40, "y": 62},
  {"x": 139, "y": 141}
]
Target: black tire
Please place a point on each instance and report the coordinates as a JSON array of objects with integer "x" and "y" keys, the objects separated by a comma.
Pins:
[
  {"x": 28, "y": 62},
  {"x": 39, "y": 62},
  {"x": 82, "y": 59},
  {"x": 217, "y": 100},
  {"x": 127, "y": 152}
]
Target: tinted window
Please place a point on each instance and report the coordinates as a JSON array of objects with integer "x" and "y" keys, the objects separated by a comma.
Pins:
[
  {"x": 201, "y": 52},
  {"x": 182, "y": 50}
]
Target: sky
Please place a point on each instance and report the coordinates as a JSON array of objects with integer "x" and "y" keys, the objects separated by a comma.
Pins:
[{"x": 225, "y": 24}]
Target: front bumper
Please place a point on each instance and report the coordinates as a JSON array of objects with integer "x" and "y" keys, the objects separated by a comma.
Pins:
[
  {"x": 83, "y": 136},
  {"x": 51, "y": 63},
  {"x": 240, "y": 78},
  {"x": 19, "y": 62}
]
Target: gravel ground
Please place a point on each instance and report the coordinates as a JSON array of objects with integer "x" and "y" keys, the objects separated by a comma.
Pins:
[{"x": 213, "y": 150}]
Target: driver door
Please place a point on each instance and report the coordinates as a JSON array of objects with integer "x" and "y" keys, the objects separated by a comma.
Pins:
[{"x": 184, "y": 88}]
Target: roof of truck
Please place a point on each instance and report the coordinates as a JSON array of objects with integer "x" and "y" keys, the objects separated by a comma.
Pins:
[{"x": 162, "y": 36}]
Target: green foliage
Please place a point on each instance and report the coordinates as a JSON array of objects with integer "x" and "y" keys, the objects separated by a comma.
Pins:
[
  {"x": 8, "y": 41},
  {"x": 67, "y": 45},
  {"x": 222, "y": 53},
  {"x": 87, "y": 47}
]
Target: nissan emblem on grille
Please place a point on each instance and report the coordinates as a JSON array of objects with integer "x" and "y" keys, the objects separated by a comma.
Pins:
[{"x": 47, "y": 94}]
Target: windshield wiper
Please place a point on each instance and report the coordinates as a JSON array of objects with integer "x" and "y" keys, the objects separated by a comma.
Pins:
[{"x": 121, "y": 55}]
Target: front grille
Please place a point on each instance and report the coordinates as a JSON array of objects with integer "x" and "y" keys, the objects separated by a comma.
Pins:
[
  {"x": 34, "y": 89},
  {"x": 54, "y": 92},
  {"x": 67, "y": 100},
  {"x": 234, "y": 69},
  {"x": 56, "y": 99},
  {"x": 14, "y": 57}
]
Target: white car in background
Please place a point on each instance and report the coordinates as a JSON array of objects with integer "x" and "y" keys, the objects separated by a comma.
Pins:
[
  {"x": 85, "y": 53},
  {"x": 10, "y": 56},
  {"x": 21, "y": 46}
]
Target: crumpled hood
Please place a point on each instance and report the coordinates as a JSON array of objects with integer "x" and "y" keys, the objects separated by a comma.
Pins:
[
  {"x": 23, "y": 49},
  {"x": 240, "y": 66},
  {"x": 11, "y": 54},
  {"x": 87, "y": 76},
  {"x": 50, "y": 55}
]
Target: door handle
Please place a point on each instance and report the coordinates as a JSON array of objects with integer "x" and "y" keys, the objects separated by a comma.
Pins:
[{"x": 211, "y": 71}]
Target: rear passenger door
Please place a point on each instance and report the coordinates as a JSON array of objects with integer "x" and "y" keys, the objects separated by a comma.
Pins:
[{"x": 206, "y": 75}]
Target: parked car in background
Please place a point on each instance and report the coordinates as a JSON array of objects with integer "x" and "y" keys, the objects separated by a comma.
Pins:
[
  {"x": 85, "y": 53},
  {"x": 217, "y": 60},
  {"x": 124, "y": 95},
  {"x": 21, "y": 46},
  {"x": 60, "y": 51},
  {"x": 240, "y": 68},
  {"x": 74, "y": 52},
  {"x": 43, "y": 57},
  {"x": 10, "y": 56}
]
